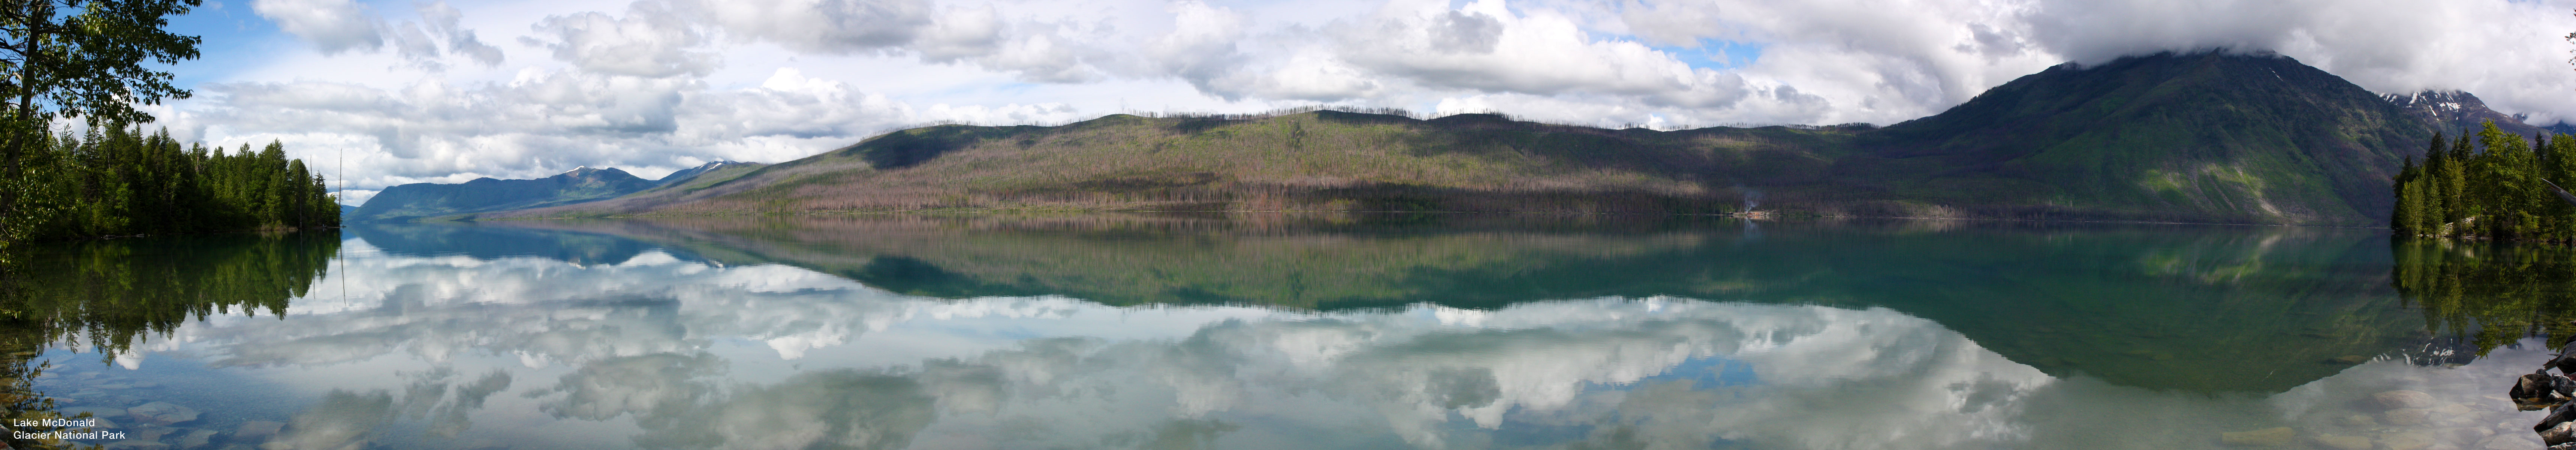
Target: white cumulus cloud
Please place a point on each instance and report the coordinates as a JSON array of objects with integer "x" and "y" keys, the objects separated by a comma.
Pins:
[{"x": 333, "y": 26}]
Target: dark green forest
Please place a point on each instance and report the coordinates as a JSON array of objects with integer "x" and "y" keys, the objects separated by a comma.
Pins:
[
  {"x": 120, "y": 181},
  {"x": 2490, "y": 184}
]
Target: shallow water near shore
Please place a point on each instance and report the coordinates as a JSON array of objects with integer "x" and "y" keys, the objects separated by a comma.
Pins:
[{"x": 1295, "y": 331}]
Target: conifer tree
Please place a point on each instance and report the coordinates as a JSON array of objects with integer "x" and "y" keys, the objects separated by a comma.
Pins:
[
  {"x": 2488, "y": 183},
  {"x": 2404, "y": 218},
  {"x": 2454, "y": 194},
  {"x": 2417, "y": 204},
  {"x": 2430, "y": 217},
  {"x": 2504, "y": 182},
  {"x": 117, "y": 181},
  {"x": 2562, "y": 168}
]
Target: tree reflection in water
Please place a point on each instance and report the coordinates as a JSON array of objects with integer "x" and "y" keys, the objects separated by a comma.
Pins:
[
  {"x": 108, "y": 296},
  {"x": 2485, "y": 294}
]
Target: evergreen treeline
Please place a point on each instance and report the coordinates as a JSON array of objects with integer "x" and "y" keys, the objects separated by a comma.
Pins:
[
  {"x": 2491, "y": 184},
  {"x": 119, "y": 181}
]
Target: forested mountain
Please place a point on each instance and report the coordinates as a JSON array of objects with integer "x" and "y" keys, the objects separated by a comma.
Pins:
[
  {"x": 427, "y": 200},
  {"x": 1316, "y": 160},
  {"x": 684, "y": 174},
  {"x": 119, "y": 181},
  {"x": 2198, "y": 137},
  {"x": 2207, "y": 137},
  {"x": 418, "y": 200}
]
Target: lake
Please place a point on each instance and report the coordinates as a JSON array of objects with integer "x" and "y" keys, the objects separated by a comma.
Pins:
[{"x": 1285, "y": 331}]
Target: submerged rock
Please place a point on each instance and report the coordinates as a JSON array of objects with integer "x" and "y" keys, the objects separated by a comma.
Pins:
[
  {"x": 2508, "y": 441},
  {"x": 2403, "y": 399},
  {"x": 2470, "y": 434},
  {"x": 136, "y": 444},
  {"x": 94, "y": 411},
  {"x": 150, "y": 433},
  {"x": 195, "y": 439},
  {"x": 2405, "y": 441},
  {"x": 162, "y": 413},
  {"x": 2268, "y": 437},
  {"x": 2341, "y": 442},
  {"x": 257, "y": 429},
  {"x": 2406, "y": 417}
]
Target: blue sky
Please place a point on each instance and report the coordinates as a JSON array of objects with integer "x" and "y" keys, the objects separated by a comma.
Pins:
[
  {"x": 234, "y": 38},
  {"x": 1717, "y": 55},
  {"x": 447, "y": 91}
]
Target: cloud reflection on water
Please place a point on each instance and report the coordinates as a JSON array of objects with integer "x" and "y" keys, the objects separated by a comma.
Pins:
[
  {"x": 639, "y": 339},
  {"x": 695, "y": 355}
]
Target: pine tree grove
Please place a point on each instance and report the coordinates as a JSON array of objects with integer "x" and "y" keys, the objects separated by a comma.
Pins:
[
  {"x": 2489, "y": 184},
  {"x": 119, "y": 181}
]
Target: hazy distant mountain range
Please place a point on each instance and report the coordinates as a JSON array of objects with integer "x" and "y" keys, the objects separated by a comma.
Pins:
[
  {"x": 424, "y": 200},
  {"x": 2200, "y": 137}
]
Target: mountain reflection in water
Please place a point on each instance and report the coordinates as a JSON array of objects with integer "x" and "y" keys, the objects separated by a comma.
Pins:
[{"x": 1459, "y": 331}]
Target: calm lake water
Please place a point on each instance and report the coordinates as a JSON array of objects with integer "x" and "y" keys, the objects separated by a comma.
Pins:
[{"x": 1291, "y": 332}]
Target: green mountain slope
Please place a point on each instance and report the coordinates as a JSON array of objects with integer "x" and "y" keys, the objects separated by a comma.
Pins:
[
  {"x": 675, "y": 187},
  {"x": 701, "y": 169},
  {"x": 1318, "y": 160},
  {"x": 2203, "y": 137},
  {"x": 420, "y": 200}
]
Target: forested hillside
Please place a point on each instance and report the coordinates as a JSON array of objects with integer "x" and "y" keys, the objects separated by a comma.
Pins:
[
  {"x": 2199, "y": 137},
  {"x": 1320, "y": 160},
  {"x": 120, "y": 181},
  {"x": 462, "y": 200},
  {"x": 2209, "y": 137},
  {"x": 417, "y": 200}
]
